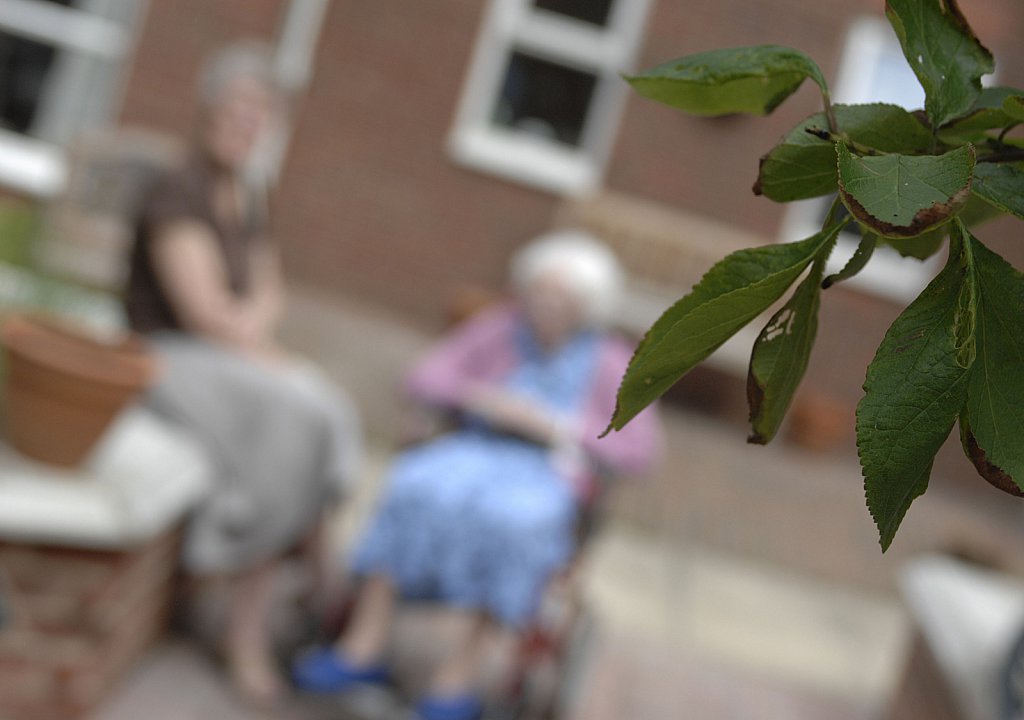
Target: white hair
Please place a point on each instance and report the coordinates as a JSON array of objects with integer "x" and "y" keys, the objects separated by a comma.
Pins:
[
  {"x": 589, "y": 268},
  {"x": 249, "y": 59}
]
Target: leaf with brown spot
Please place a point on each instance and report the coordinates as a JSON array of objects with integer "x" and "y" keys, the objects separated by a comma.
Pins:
[
  {"x": 780, "y": 356},
  {"x": 993, "y": 417},
  {"x": 989, "y": 471},
  {"x": 900, "y": 196}
]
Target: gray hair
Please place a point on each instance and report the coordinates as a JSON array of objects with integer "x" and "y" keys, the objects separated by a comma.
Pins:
[
  {"x": 248, "y": 59},
  {"x": 589, "y": 268}
]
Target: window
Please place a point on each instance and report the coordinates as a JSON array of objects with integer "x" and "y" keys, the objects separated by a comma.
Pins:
[
  {"x": 871, "y": 69},
  {"x": 543, "y": 97},
  {"x": 60, "y": 73}
]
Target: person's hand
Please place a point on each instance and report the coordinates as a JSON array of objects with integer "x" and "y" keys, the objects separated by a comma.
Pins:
[
  {"x": 270, "y": 354},
  {"x": 514, "y": 414},
  {"x": 250, "y": 336}
]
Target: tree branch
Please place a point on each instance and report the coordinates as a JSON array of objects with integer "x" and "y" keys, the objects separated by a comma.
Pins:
[{"x": 1014, "y": 155}]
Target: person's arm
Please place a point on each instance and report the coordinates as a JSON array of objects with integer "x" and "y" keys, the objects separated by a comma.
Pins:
[
  {"x": 192, "y": 274},
  {"x": 265, "y": 303},
  {"x": 466, "y": 359}
]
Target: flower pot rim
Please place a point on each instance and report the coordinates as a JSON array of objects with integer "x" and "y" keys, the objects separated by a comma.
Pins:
[{"x": 47, "y": 342}]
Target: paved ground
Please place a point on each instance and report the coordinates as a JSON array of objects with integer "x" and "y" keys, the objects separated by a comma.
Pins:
[{"x": 735, "y": 583}]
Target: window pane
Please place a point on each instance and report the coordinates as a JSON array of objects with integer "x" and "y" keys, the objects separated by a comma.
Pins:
[
  {"x": 24, "y": 66},
  {"x": 591, "y": 11},
  {"x": 545, "y": 99}
]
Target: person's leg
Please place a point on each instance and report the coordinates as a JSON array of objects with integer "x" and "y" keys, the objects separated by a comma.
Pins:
[
  {"x": 454, "y": 690},
  {"x": 248, "y": 645},
  {"x": 458, "y": 672},
  {"x": 364, "y": 642},
  {"x": 357, "y": 657}
]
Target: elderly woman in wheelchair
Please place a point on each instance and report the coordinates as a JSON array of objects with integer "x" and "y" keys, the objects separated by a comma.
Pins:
[{"x": 481, "y": 518}]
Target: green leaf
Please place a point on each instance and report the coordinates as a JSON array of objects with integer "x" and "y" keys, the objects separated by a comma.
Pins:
[
  {"x": 750, "y": 80},
  {"x": 944, "y": 53},
  {"x": 803, "y": 165},
  {"x": 1002, "y": 185},
  {"x": 986, "y": 114},
  {"x": 780, "y": 356},
  {"x": 857, "y": 262},
  {"x": 920, "y": 247},
  {"x": 905, "y": 195},
  {"x": 731, "y": 294},
  {"x": 992, "y": 424},
  {"x": 1013, "y": 106},
  {"x": 912, "y": 395}
]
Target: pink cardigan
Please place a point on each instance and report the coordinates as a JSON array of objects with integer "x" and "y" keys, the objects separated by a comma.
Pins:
[{"x": 484, "y": 350}]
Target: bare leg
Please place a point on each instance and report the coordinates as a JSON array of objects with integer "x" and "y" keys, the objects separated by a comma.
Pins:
[
  {"x": 459, "y": 672},
  {"x": 365, "y": 641},
  {"x": 247, "y": 644}
]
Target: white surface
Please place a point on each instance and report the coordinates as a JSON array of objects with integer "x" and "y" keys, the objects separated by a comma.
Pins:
[
  {"x": 969, "y": 618},
  {"x": 31, "y": 166},
  {"x": 141, "y": 479}
]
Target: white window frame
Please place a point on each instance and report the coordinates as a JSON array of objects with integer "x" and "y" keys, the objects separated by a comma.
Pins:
[
  {"x": 510, "y": 25},
  {"x": 102, "y": 29},
  {"x": 298, "y": 35},
  {"x": 888, "y": 275}
]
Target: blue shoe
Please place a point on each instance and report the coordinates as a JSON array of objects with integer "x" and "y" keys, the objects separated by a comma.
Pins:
[
  {"x": 322, "y": 670},
  {"x": 459, "y": 707}
]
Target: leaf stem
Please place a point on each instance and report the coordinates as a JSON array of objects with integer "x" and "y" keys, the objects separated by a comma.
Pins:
[
  {"x": 830, "y": 114},
  {"x": 842, "y": 137},
  {"x": 1007, "y": 129},
  {"x": 1014, "y": 155}
]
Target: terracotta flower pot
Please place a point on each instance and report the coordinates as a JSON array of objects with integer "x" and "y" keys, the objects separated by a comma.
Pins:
[{"x": 64, "y": 387}]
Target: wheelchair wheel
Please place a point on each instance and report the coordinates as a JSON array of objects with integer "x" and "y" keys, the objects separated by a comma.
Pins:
[
  {"x": 1013, "y": 681},
  {"x": 551, "y": 688},
  {"x": 554, "y": 688},
  {"x": 576, "y": 662}
]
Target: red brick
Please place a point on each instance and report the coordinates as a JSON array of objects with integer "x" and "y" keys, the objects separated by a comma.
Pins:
[
  {"x": 64, "y": 571},
  {"x": 51, "y": 650},
  {"x": 22, "y": 682},
  {"x": 66, "y": 650}
]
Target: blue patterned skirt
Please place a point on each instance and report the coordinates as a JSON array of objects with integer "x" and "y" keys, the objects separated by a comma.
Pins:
[{"x": 475, "y": 520}]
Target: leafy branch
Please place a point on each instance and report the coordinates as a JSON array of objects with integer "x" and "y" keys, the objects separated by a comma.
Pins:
[{"x": 914, "y": 180}]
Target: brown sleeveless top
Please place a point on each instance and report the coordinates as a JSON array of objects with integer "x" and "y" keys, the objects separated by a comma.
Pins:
[{"x": 185, "y": 194}]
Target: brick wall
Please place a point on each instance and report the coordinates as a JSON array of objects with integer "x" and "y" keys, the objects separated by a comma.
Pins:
[
  {"x": 370, "y": 204},
  {"x": 73, "y": 621}
]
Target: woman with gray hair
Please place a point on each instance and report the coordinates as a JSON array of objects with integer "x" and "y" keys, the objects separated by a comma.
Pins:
[
  {"x": 205, "y": 287},
  {"x": 481, "y": 518}
]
